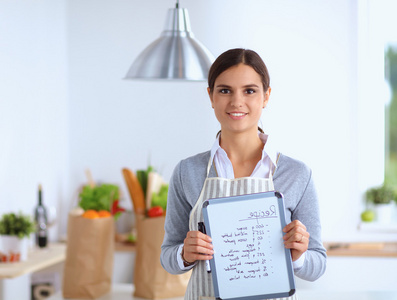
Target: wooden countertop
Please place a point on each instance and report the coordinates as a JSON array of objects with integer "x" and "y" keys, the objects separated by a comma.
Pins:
[
  {"x": 386, "y": 249},
  {"x": 125, "y": 292},
  {"x": 37, "y": 259}
]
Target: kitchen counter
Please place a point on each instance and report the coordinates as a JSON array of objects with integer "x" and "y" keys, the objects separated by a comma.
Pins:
[
  {"x": 387, "y": 249},
  {"x": 125, "y": 291},
  {"x": 38, "y": 259},
  {"x": 118, "y": 292}
]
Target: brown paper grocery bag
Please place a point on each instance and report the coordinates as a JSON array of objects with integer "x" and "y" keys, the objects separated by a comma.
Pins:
[
  {"x": 151, "y": 281},
  {"x": 89, "y": 257}
]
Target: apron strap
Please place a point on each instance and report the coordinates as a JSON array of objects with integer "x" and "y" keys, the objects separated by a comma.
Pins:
[
  {"x": 210, "y": 161},
  {"x": 275, "y": 166}
]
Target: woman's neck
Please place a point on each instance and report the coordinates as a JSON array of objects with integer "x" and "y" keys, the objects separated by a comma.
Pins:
[{"x": 244, "y": 151}]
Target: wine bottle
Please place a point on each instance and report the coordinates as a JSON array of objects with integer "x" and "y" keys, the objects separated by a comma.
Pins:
[{"x": 41, "y": 222}]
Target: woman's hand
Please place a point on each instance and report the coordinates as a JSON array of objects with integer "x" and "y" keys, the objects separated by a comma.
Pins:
[
  {"x": 197, "y": 246},
  {"x": 296, "y": 238}
]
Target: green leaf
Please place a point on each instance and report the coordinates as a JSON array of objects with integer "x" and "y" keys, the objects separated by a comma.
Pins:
[
  {"x": 381, "y": 195},
  {"x": 19, "y": 225},
  {"x": 99, "y": 197},
  {"x": 142, "y": 176},
  {"x": 160, "y": 198}
]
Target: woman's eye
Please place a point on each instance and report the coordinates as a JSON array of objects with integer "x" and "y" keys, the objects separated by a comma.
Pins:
[
  {"x": 250, "y": 91},
  {"x": 224, "y": 91}
]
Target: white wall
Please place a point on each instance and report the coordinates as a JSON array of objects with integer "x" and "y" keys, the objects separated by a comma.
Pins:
[
  {"x": 34, "y": 105},
  {"x": 310, "y": 48},
  {"x": 65, "y": 106}
]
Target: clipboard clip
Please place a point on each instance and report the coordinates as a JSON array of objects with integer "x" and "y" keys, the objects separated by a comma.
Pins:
[{"x": 278, "y": 194}]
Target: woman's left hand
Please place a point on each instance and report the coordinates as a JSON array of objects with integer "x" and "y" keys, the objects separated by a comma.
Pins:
[{"x": 296, "y": 238}]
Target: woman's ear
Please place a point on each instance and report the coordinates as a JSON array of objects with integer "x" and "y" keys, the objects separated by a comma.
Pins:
[
  {"x": 267, "y": 96},
  {"x": 210, "y": 95}
]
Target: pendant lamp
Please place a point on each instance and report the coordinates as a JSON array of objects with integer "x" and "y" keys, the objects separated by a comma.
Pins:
[{"x": 175, "y": 55}]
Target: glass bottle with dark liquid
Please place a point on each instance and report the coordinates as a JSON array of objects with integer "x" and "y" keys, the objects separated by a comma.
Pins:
[{"x": 41, "y": 222}]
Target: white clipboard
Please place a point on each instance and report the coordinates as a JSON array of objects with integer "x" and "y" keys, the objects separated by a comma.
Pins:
[{"x": 250, "y": 260}]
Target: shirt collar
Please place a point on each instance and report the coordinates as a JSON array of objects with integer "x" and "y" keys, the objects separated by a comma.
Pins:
[{"x": 268, "y": 150}]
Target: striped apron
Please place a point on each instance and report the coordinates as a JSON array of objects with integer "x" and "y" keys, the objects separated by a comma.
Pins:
[{"x": 200, "y": 285}]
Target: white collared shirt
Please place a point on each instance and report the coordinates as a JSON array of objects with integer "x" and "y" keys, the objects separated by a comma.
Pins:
[
  {"x": 267, "y": 163},
  {"x": 224, "y": 168}
]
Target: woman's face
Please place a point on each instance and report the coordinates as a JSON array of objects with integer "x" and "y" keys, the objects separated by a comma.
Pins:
[{"x": 238, "y": 99}]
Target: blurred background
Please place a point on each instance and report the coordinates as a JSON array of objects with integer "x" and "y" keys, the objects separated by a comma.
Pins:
[{"x": 65, "y": 107}]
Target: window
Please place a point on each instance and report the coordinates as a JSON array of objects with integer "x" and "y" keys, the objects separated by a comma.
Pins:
[
  {"x": 377, "y": 102},
  {"x": 391, "y": 116},
  {"x": 378, "y": 89}
]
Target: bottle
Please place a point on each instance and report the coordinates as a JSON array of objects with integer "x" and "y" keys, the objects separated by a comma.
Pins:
[{"x": 41, "y": 222}]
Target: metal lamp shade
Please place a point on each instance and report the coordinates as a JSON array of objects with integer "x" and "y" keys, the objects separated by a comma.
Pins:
[{"x": 175, "y": 55}]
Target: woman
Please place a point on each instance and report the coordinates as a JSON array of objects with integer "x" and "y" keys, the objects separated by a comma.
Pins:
[{"x": 238, "y": 87}]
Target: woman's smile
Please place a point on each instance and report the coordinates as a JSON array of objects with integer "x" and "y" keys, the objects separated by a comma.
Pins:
[{"x": 237, "y": 115}]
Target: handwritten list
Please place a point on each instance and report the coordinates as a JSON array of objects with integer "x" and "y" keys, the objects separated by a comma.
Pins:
[
  {"x": 250, "y": 253},
  {"x": 249, "y": 250}
]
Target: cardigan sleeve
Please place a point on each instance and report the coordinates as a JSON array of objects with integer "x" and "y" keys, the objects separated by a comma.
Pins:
[
  {"x": 307, "y": 212},
  {"x": 176, "y": 223},
  {"x": 294, "y": 180}
]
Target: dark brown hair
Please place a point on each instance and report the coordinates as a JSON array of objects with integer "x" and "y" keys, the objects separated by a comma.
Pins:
[{"x": 233, "y": 57}]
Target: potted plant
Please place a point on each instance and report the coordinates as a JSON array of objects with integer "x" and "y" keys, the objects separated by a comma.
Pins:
[
  {"x": 382, "y": 198},
  {"x": 15, "y": 230}
]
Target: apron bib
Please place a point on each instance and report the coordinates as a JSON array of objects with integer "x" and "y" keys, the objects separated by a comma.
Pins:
[{"x": 200, "y": 284}]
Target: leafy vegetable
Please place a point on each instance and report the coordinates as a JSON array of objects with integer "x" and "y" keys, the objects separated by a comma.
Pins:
[
  {"x": 142, "y": 176},
  {"x": 99, "y": 197},
  {"x": 19, "y": 225},
  {"x": 160, "y": 198}
]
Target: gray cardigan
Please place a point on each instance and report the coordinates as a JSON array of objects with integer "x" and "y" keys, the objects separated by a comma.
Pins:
[{"x": 292, "y": 178}]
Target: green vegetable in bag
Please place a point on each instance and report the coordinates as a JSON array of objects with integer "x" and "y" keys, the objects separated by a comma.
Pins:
[
  {"x": 142, "y": 176},
  {"x": 99, "y": 197},
  {"x": 160, "y": 198}
]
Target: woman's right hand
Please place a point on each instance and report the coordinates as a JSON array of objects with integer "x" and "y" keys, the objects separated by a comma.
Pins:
[{"x": 197, "y": 246}]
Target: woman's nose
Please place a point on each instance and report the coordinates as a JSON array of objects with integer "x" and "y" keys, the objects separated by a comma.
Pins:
[{"x": 237, "y": 100}]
